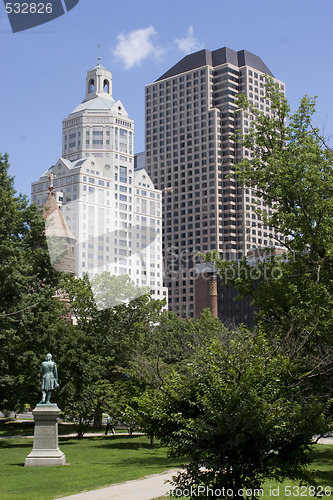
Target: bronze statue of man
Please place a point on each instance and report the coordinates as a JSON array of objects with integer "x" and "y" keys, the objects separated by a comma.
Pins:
[{"x": 49, "y": 372}]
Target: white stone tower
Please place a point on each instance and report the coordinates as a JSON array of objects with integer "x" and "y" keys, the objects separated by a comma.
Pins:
[
  {"x": 99, "y": 125},
  {"x": 112, "y": 209}
]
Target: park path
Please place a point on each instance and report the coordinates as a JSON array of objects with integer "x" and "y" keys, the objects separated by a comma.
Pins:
[
  {"x": 327, "y": 440},
  {"x": 73, "y": 435},
  {"x": 141, "y": 489}
]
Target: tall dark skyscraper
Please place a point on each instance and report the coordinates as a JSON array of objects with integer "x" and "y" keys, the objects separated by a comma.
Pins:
[{"x": 191, "y": 156}]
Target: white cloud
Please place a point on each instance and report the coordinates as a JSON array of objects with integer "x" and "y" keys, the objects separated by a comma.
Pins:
[
  {"x": 135, "y": 46},
  {"x": 189, "y": 43}
]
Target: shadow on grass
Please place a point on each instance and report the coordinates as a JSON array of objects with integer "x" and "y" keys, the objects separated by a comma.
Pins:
[
  {"x": 8, "y": 443},
  {"x": 16, "y": 428},
  {"x": 20, "y": 443},
  {"x": 321, "y": 466},
  {"x": 323, "y": 456},
  {"x": 324, "y": 477},
  {"x": 149, "y": 462},
  {"x": 123, "y": 443}
]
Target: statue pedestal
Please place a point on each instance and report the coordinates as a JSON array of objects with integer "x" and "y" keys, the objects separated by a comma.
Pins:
[{"x": 45, "y": 450}]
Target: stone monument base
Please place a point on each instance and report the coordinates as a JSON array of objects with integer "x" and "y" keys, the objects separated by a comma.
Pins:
[{"x": 45, "y": 450}]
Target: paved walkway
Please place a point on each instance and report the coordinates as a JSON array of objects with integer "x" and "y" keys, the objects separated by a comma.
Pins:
[
  {"x": 141, "y": 489},
  {"x": 328, "y": 440},
  {"x": 74, "y": 434}
]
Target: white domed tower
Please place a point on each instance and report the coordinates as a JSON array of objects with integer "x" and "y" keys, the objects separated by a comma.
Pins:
[{"x": 100, "y": 125}]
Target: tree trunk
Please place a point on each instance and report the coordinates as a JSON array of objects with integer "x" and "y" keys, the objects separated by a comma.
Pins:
[{"x": 98, "y": 418}]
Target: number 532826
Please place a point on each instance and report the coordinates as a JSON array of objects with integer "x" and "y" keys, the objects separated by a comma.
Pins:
[{"x": 28, "y": 8}]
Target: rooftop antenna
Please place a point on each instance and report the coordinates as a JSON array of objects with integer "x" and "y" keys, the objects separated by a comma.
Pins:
[{"x": 99, "y": 54}]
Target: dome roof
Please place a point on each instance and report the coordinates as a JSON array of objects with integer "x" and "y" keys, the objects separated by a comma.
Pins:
[{"x": 97, "y": 103}]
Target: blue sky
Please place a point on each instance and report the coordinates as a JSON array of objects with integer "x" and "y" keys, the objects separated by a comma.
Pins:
[{"x": 43, "y": 69}]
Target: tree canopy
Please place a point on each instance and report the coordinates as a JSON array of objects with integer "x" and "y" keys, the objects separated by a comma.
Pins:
[
  {"x": 235, "y": 413},
  {"x": 290, "y": 167},
  {"x": 31, "y": 316}
]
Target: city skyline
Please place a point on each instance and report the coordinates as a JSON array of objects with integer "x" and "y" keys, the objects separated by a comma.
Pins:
[{"x": 138, "y": 45}]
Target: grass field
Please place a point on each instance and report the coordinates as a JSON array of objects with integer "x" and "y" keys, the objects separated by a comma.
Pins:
[
  {"x": 94, "y": 462},
  {"x": 99, "y": 461}
]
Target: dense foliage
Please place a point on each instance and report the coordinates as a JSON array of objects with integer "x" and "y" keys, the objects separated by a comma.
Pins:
[
  {"x": 236, "y": 412},
  {"x": 31, "y": 321}
]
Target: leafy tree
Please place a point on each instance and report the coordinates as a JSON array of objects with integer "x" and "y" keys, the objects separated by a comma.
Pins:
[
  {"x": 107, "y": 338},
  {"x": 236, "y": 415},
  {"x": 290, "y": 167},
  {"x": 114, "y": 331},
  {"x": 80, "y": 370},
  {"x": 163, "y": 346},
  {"x": 110, "y": 290},
  {"x": 31, "y": 317}
]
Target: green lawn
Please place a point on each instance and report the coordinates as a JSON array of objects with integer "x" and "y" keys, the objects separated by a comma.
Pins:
[
  {"x": 322, "y": 466},
  {"x": 94, "y": 462},
  {"x": 103, "y": 460}
]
